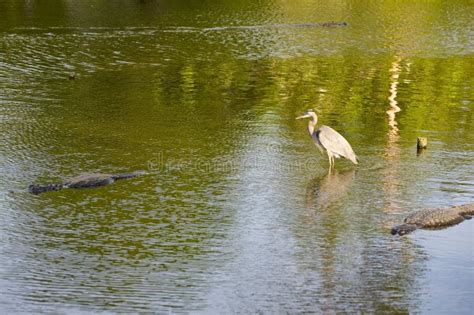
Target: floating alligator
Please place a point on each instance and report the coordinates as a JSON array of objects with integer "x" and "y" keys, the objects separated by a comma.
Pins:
[
  {"x": 83, "y": 181},
  {"x": 301, "y": 25},
  {"x": 436, "y": 218}
]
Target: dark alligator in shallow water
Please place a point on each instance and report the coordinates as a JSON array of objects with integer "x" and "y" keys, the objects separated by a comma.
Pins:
[
  {"x": 83, "y": 181},
  {"x": 436, "y": 218},
  {"x": 301, "y": 25}
]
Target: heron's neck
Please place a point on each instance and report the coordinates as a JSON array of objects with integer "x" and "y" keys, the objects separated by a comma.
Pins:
[{"x": 311, "y": 125}]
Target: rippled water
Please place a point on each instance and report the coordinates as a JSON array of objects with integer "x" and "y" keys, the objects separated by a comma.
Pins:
[{"x": 238, "y": 212}]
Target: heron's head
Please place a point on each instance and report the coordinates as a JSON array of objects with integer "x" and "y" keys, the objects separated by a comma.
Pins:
[{"x": 310, "y": 113}]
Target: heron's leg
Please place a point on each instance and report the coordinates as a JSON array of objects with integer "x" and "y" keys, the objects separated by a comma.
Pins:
[{"x": 330, "y": 160}]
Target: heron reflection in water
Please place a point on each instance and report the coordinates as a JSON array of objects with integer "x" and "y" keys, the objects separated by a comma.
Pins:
[
  {"x": 329, "y": 140},
  {"x": 324, "y": 191}
]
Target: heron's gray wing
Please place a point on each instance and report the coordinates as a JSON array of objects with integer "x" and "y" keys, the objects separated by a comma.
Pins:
[{"x": 332, "y": 141}]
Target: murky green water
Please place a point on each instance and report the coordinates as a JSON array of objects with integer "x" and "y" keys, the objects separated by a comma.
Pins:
[{"x": 238, "y": 213}]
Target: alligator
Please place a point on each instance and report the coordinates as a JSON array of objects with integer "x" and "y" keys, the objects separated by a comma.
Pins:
[
  {"x": 301, "y": 25},
  {"x": 83, "y": 181},
  {"x": 434, "y": 218},
  {"x": 325, "y": 24}
]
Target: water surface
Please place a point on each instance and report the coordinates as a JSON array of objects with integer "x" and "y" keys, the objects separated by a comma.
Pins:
[{"x": 238, "y": 212}]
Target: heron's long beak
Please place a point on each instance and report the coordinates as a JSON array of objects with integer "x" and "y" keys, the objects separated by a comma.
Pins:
[{"x": 303, "y": 116}]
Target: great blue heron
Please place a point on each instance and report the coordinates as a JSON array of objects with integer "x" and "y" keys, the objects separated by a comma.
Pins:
[{"x": 329, "y": 140}]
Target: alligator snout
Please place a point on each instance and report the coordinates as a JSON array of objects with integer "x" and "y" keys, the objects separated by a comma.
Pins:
[{"x": 403, "y": 229}]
